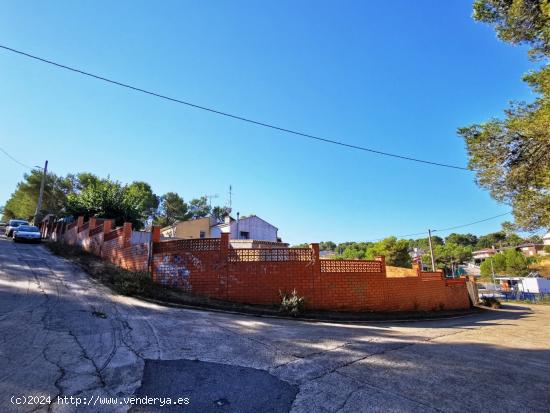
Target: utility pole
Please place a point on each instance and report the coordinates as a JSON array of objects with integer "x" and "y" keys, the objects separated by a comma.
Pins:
[
  {"x": 492, "y": 271},
  {"x": 238, "y": 233},
  {"x": 431, "y": 249},
  {"x": 41, "y": 193}
]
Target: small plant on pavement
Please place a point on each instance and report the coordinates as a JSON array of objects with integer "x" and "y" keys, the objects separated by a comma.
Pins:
[{"x": 292, "y": 303}]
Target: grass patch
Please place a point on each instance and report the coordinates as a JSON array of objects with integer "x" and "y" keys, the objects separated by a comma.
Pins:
[
  {"x": 140, "y": 284},
  {"x": 542, "y": 265},
  {"x": 122, "y": 281}
]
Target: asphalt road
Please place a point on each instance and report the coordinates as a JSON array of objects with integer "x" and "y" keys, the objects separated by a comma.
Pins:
[{"x": 62, "y": 334}]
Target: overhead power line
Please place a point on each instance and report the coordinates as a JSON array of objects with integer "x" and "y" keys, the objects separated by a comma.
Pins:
[
  {"x": 233, "y": 116},
  {"x": 447, "y": 229},
  {"x": 15, "y": 160},
  {"x": 471, "y": 223}
]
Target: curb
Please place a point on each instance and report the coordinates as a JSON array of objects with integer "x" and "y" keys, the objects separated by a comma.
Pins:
[{"x": 471, "y": 312}]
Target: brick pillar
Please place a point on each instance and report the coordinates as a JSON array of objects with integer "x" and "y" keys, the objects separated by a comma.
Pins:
[
  {"x": 79, "y": 222},
  {"x": 313, "y": 295},
  {"x": 50, "y": 228},
  {"x": 417, "y": 266},
  {"x": 155, "y": 237},
  {"x": 155, "y": 233},
  {"x": 92, "y": 223},
  {"x": 382, "y": 260},
  {"x": 126, "y": 233},
  {"x": 224, "y": 264},
  {"x": 107, "y": 226}
]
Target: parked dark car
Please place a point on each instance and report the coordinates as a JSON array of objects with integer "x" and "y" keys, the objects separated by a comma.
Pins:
[
  {"x": 27, "y": 233},
  {"x": 13, "y": 224}
]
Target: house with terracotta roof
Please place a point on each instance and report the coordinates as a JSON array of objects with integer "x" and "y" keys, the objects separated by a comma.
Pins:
[{"x": 481, "y": 255}]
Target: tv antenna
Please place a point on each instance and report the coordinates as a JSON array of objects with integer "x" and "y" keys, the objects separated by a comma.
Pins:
[{"x": 209, "y": 197}]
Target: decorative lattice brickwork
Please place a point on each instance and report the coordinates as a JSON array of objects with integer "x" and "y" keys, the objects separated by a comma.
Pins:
[
  {"x": 113, "y": 234},
  {"x": 96, "y": 230},
  {"x": 270, "y": 254},
  {"x": 351, "y": 266},
  {"x": 84, "y": 227},
  {"x": 205, "y": 244}
]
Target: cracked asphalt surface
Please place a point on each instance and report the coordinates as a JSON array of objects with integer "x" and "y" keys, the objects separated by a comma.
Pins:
[{"x": 64, "y": 334}]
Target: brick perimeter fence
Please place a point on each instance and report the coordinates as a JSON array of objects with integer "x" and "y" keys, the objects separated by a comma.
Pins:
[{"x": 211, "y": 268}]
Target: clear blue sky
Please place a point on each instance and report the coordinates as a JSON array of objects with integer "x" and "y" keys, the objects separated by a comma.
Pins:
[{"x": 397, "y": 76}]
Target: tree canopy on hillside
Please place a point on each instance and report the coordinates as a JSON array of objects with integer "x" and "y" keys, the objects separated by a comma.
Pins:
[
  {"x": 88, "y": 195},
  {"x": 511, "y": 156},
  {"x": 22, "y": 202}
]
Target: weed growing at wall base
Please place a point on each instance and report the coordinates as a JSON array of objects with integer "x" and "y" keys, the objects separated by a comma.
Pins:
[{"x": 292, "y": 303}]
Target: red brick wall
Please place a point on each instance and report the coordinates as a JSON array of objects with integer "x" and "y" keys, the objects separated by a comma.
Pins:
[
  {"x": 256, "y": 276},
  {"x": 192, "y": 265},
  {"x": 209, "y": 267}
]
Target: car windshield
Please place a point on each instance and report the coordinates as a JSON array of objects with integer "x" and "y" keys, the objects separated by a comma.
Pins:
[
  {"x": 18, "y": 223},
  {"x": 27, "y": 228}
]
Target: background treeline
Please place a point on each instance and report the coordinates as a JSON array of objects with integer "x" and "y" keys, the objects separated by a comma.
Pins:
[
  {"x": 449, "y": 252},
  {"x": 89, "y": 195}
]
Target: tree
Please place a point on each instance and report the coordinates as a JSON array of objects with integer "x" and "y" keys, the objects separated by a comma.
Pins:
[
  {"x": 396, "y": 251},
  {"x": 172, "y": 208},
  {"x": 106, "y": 199},
  {"x": 535, "y": 239},
  {"x": 518, "y": 22},
  {"x": 495, "y": 239},
  {"x": 22, "y": 203},
  {"x": 486, "y": 269},
  {"x": 449, "y": 255},
  {"x": 353, "y": 253},
  {"x": 220, "y": 213},
  {"x": 140, "y": 193},
  {"x": 461, "y": 239},
  {"x": 511, "y": 156},
  {"x": 83, "y": 180},
  {"x": 423, "y": 244},
  {"x": 327, "y": 246},
  {"x": 198, "y": 208},
  {"x": 516, "y": 262},
  {"x": 509, "y": 262}
]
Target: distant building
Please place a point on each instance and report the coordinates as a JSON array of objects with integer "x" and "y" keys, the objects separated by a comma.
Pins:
[
  {"x": 525, "y": 284},
  {"x": 481, "y": 255},
  {"x": 194, "y": 228},
  {"x": 327, "y": 255},
  {"x": 246, "y": 232},
  {"x": 546, "y": 239},
  {"x": 529, "y": 249},
  {"x": 254, "y": 243},
  {"x": 251, "y": 227}
]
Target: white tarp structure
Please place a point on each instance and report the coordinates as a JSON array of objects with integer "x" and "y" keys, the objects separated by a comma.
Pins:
[{"x": 534, "y": 285}]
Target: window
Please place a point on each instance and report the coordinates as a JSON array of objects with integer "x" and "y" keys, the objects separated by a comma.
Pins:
[
  {"x": 202, "y": 234},
  {"x": 244, "y": 235}
]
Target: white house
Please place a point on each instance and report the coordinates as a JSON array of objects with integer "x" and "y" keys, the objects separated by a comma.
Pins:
[
  {"x": 251, "y": 227},
  {"x": 546, "y": 239}
]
